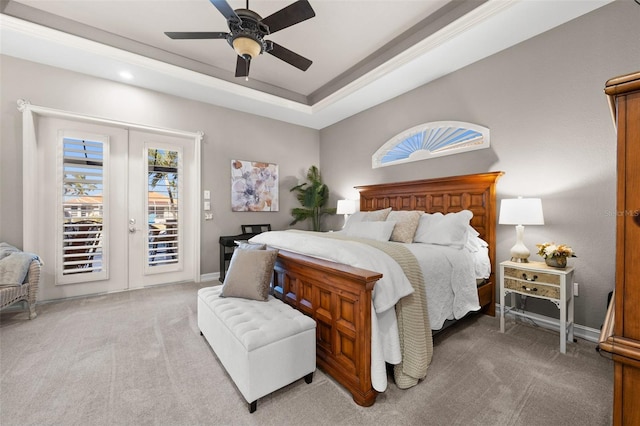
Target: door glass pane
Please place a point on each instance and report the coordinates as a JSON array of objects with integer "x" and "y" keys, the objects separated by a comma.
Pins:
[
  {"x": 83, "y": 207},
  {"x": 163, "y": 207}
]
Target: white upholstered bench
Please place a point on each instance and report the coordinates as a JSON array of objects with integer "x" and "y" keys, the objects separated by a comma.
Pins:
[{"x": 264, "y": 346}]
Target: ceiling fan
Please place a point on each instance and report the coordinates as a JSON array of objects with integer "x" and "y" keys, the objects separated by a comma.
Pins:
[{"x": 247, "y": 30}]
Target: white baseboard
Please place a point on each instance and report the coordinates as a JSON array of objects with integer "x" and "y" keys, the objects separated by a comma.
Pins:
[
  {"x": 581, "y": 331},
  {"x": 210, "y": 277}
]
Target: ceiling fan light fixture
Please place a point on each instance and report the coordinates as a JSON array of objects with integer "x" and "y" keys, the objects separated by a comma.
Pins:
[{"x": 245, "y": 46}]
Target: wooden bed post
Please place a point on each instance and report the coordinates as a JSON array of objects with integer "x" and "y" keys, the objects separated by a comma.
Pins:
[{"x": 338, "y": 298}]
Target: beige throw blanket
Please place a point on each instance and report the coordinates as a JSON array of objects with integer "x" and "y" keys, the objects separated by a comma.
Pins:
[{"x": 416, "y": 342}]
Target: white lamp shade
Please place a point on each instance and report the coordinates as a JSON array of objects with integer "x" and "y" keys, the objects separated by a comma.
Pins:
[
  {"x": 521, "y": 211},
  {"x": 346, "y": 207}
]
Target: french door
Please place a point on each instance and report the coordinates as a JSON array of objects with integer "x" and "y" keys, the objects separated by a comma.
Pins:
[
  {"x": 116, "y": 208},
  {"x": 160, "y": 223}
]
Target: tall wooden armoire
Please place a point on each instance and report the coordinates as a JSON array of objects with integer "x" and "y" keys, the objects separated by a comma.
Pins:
[{"x": 621, "y": 333}]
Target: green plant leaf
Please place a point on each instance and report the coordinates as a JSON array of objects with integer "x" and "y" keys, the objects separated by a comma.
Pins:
[{"x": 313, "y": 195}]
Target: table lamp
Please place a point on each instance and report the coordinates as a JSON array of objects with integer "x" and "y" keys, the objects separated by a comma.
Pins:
[
  {"x": 346, "y": 207},
  {"x": 521, "y": 211}
]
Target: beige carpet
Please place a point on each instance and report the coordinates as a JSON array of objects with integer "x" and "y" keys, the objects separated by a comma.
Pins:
[{"x": 137, "y": 358}]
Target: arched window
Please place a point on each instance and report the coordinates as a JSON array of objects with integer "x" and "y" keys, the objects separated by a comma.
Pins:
[{"x": 431, "y": 140}]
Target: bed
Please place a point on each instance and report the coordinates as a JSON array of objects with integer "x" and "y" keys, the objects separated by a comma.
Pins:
[{"x": 339, "y": 297}]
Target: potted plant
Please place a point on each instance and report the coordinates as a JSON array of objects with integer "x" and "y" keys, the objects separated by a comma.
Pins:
[{"x": 313, "y": 195}]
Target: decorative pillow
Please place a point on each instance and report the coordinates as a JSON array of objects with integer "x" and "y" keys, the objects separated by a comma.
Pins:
[
  {"x": 249, "y": 274},
  {"x": 406, "y": 225},
  {"x": 447, "y": 230},
  {"x": 380, "y": 231}
]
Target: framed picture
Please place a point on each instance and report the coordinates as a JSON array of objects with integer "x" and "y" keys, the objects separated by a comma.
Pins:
[{"x": 254, "y": 186}]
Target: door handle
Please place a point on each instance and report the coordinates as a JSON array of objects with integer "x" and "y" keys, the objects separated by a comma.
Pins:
[{"x": 132, "y": 226}]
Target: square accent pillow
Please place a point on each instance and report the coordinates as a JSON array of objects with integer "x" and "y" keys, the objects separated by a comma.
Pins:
[
  {"x": 406, "y": 225},
  {"x": 249, "y": 275}
]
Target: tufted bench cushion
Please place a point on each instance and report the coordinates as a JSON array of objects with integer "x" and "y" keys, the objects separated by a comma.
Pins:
[
  {"x": 256, "y": 324},
  {"x": 263, "y": 345}
]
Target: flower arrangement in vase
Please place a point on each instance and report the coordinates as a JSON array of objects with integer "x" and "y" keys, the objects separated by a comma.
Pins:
[{"x": 555, "y": 254}]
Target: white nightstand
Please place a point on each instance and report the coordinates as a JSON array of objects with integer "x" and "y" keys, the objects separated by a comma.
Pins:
[{"x": 536, "y": 279}]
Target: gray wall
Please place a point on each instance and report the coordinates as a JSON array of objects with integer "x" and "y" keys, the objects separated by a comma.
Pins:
[
  {"x": 228, "y": 135},
  {"x": 551, "y": 132}
]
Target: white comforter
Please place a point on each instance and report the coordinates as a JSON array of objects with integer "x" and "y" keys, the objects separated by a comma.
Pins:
[{"x": 451, "y": 292}]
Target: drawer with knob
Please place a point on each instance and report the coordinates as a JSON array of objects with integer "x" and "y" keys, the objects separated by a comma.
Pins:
[
  {"x": 532, "y": 276},
  {"x": 532, "y": 288},
  {"x": 535, "y": 283}
]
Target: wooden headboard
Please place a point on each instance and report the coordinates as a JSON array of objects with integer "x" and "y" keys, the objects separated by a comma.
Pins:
[{"x": 445, "y": 195}]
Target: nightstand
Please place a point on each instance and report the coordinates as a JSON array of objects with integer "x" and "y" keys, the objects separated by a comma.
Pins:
[{"x": 536, "y": 279}]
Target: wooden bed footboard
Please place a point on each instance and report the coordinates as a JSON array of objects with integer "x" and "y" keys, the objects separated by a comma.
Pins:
[{"x": 338, "y": 298}]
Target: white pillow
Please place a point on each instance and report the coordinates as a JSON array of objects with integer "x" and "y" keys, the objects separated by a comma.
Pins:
[
  {"x": 372, "y": 216},
  {"x": 354, "y": 218},
  {"x": 447, "y": 230},
  {"x": 474, "y": 243},
  {"x": 380, "y": 231}
]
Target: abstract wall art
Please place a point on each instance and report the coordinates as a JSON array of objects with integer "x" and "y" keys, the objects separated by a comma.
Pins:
[{"x": 254, "y": 186}]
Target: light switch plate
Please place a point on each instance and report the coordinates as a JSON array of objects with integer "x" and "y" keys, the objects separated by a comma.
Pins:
[
  {"x": 207, "y": 205},
  {"x": 207, "y": 194}
]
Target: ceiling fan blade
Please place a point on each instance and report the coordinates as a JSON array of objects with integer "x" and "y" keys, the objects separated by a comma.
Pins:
[
  {"x": 288, "y": 16},
  {"x": 290, "y": 57},
  {"x": 242, "y": 67},
  {"x": 195, "y": 35},
  {"x": 226, "y": 10}
]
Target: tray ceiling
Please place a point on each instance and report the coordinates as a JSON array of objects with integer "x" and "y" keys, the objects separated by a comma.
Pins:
[{"x": 363, "y": 51}]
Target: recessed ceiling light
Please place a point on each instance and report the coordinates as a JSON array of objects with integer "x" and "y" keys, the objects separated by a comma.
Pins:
[{"x": 126, "y": 75}]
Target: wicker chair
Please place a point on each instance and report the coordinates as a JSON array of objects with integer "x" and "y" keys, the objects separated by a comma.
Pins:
[{"x": 26, "y": 292}]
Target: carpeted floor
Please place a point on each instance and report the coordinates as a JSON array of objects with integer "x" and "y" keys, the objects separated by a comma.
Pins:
[{"x": 137, "y": 358}]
